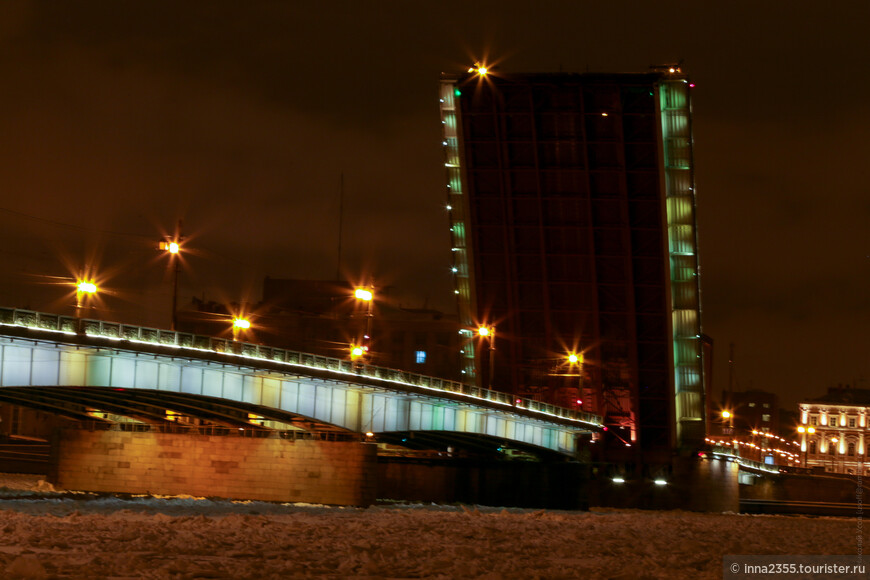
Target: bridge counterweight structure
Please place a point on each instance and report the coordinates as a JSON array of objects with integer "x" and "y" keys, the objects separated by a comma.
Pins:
[{"x": 67, "y": 365}]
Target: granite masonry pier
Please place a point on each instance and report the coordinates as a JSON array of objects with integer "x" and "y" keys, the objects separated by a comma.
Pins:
[{"x": 226, "y": 466}]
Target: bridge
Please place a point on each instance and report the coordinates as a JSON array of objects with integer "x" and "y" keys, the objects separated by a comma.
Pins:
[
  {"x": 107, "y": 372},
  {"x": 213, "y": 414}
]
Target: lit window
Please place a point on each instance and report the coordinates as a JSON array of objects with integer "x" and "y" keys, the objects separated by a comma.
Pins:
[
  {"x": 765, "y": 418},
  {"x": 751, "y": 404},
  {"x": 420, "y": 357},
  {"x": 766, "y": 405}
]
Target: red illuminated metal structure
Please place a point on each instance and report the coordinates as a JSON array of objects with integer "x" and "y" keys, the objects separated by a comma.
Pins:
[{"x": 572, "y": 213}]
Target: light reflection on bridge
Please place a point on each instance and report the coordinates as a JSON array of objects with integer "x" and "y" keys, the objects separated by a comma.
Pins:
[{"x": 67, "y": 365}]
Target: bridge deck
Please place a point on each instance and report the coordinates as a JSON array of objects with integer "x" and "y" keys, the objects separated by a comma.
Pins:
[{"x": 359, "y": 398}]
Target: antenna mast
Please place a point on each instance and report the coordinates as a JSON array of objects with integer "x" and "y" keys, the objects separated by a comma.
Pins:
[{"x": 340, "y": 226}]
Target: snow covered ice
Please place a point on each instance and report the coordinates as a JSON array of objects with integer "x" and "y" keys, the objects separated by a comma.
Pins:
[{"x": 53, "y": 535}]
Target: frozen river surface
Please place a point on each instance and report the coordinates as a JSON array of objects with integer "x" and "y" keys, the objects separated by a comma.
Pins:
[{"x": 61, "y": 536}]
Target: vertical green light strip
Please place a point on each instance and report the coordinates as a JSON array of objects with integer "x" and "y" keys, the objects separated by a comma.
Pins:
[
  {"x": 460, "y": 231},
  {"x": 682, "y": 249}
]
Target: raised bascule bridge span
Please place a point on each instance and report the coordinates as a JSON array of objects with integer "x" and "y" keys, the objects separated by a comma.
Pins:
[{"x": 132, "y": 380}]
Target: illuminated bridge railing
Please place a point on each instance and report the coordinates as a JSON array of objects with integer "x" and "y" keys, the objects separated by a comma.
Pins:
[
  {"x": 723, "y": 452},
  {"x": 139, "y": 334}
]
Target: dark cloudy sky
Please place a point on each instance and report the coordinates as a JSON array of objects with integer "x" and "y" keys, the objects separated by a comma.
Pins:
[{"x": 119, "y": 118}]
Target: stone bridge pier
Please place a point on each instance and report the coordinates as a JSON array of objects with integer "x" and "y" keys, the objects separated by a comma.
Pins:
[{"x": 306, "y": 469}]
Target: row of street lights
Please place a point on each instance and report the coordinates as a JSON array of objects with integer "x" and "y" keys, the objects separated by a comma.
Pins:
[
  {"x": 573, "y": 359},
  {"x": 86, "y": 287},
  {"x": 173, "y": 248},
  {"x": 727, "y": 426}
]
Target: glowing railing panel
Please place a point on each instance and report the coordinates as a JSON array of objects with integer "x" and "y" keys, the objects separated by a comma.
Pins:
[{"x": 68, "y": 325}]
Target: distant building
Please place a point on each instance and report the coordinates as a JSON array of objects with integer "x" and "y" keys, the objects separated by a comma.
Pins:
[
  {"x": 752, "y": 410},
  {"x": 572, "y": 213},
  {"x": 752, "y": 423},
  {"x": 835, "y": 431}
]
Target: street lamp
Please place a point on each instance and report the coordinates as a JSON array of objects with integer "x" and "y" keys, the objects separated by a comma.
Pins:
[
  {"x": 363, "y": 294},
  {"x": 728, "y": 417},
  {"x": 84, "y": 288},
  {"x": 173, "y": 248},
  {"x": 239, "y": 325},
  {"x": 575, "y": 368},
  {"x": 488, "y": 332},
  {"x": 357, "y": 352},
  {"x": 478, "y": 69},
  {"x": 366, "y": 295}
]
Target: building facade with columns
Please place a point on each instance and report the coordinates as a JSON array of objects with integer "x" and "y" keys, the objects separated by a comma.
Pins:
[{"x": 834, "y": 431}]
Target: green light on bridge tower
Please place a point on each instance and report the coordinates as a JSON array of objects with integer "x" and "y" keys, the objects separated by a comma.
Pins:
[
  {"x": 459, "y": 232},
  {"x": 688, "y": 377}
]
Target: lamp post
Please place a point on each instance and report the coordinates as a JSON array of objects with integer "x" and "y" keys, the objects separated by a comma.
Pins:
[
  {"x": 239, "y": 325},
  {"x": 488, "y": 332},
  {"x": 834, "y": 440},
  {"x": 728, "y": 417},
  {"x": 357, "y": 352},
  {"x": 173, "y": 248},
  {"x": 366, "y": 295},
  {"x": 575, "y": 368},
  {"x": 84, "y": 289}
]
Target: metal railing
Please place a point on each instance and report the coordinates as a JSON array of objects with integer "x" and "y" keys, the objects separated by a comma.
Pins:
[{"x": 187, "y": 341}]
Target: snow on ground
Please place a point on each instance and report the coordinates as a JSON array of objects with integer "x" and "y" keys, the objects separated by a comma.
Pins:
[{"x": 46, "y": 534}]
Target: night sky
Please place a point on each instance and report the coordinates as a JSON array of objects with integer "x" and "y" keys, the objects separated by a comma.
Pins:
[{"x": 119, "y": 119}]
